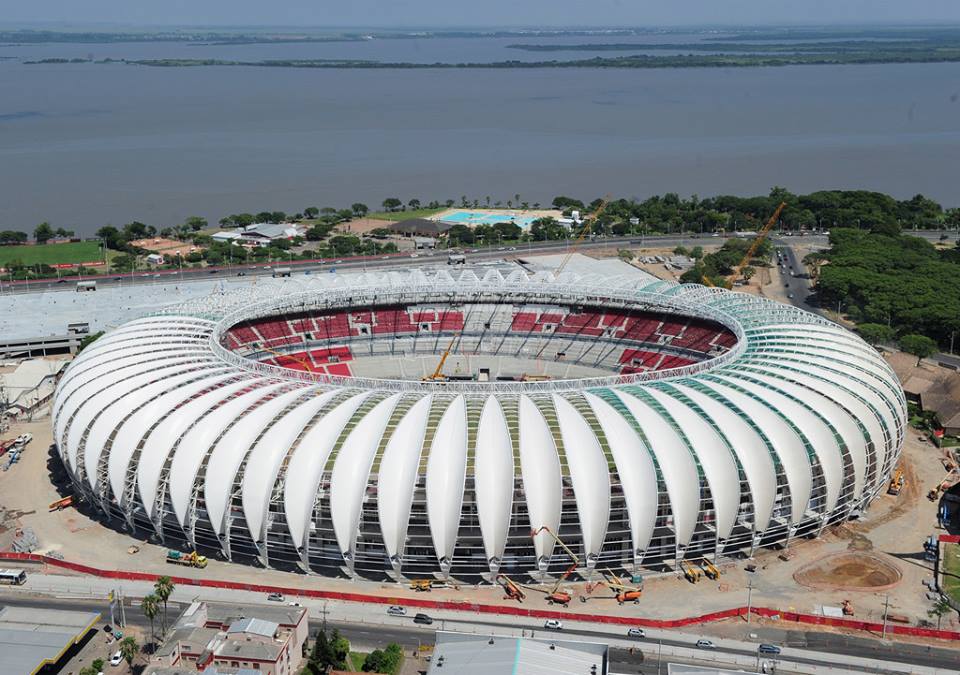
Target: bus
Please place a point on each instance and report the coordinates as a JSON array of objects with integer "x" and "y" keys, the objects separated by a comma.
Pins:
[{"x": 13, "y": 577}]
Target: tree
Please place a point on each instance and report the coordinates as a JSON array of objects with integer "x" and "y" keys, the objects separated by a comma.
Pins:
[
  {"x": 64, "y": 233},
  {"x": 88, "y": 340},
  {"x": 329, "y": 653},
  {"x": 391, "y": 204},
  {"x": 151, "y": 607},
  {"x": 876, "y": 333},
  {"x": 97, "y": 665},
  {"x": 129, "y": 650},
  {"x": 311, "y": 212},
  {"x": 919, "y": 345},
  {"x": 681, "y": 250},
  {"x": 359, "y": 209},
  {"x": 89, "y": 670},
  {"x": 939, "y": 610},
  {"x": 162, "y": 589},
  {"x": 414, "y": 204},
  {"x": 696, "y": 252},
  {"x": 43, "y": 233},
  {"x": 318, "y": 232},
  {"x": 195, "y": 223},
  {"x": 384, "y": 661}
]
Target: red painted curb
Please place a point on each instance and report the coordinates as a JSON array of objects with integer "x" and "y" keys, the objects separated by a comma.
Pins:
[{"x": 493, "y": 609}]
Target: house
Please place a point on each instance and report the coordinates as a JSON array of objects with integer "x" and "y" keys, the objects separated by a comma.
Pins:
[
  {"x": 225, "y": 236},
  {"x": 420, "y": 227},
  {"x": 934, "y": 388}
]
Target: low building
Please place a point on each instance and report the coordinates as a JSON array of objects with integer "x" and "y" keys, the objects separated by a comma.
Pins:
[
  {"x": 934, "y": 388},
  {"x": 33, "y": 639},
  {"x": 29, "y": 385},
  {"x": 424, "y": 242},
  {"x": 420, "y": 227},
  {"x": 468, "y": 654},
  {"x": 227, "y": 638},
  {"x": 225, "y": 236},
  {"x": 261, "y": 234},
  {"x": 155, "y": 259}
]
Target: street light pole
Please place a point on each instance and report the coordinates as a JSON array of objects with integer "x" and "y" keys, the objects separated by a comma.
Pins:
[
  {"x": 886, "y": 606},
  {"x": 749, "y": 598}
]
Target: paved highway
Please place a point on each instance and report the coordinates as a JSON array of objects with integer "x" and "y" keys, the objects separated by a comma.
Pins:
[{"x": 409, "y": 636}]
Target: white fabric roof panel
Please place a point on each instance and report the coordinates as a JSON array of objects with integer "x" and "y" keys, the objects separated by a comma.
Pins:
[
  {"x": 446, "y": 472},
  {"x": 351, "y": 469},
  {"x": 308, "y": 462},
  {"x": 493, "y": 477},
  {"x": 398, "y": 475},
  {"x": 540, "y": 468},
  {"x": 162, "y": 392}
]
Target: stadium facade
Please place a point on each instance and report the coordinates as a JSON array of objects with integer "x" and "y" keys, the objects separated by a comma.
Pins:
[{"x": 643, "y": 422}]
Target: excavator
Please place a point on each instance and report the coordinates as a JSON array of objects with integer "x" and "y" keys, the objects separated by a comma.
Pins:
[
  {"x": 730, "y": 280},
  {"x": 587, "y": 226},
  {"x": 556, "y": 596},
  {"x": 896, "y": 483}
]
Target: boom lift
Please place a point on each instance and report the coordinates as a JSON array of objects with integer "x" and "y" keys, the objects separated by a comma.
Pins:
[
  {"x": 709, "y": 569},
  {"x": 556, "y": 596},
  {"x": 511, "y": 588},
  {"x": 623, "y": 593},
  {"x": 730, "y": 280},
  {"x": 438, "y": 372}
]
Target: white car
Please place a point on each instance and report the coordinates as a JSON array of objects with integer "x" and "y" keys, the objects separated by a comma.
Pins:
[
  {"x": 636, "y": 633},
  {"x": 553, "y": 624},
  {"x": 705, "y": 644},
  {"x": 23, "y": 439},
  {"x": 116, "y": 659},
  {"x": 396, "y": 610}
]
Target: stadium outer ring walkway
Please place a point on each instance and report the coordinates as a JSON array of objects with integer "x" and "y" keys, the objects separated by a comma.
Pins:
[{"x": 798, "y": 425}]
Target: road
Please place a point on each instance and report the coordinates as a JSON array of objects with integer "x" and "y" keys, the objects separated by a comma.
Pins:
[{"x": 409, "y": 636}]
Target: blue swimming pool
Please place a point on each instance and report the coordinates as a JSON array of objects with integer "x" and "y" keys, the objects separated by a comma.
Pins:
[{"x": 474, "y": 218}]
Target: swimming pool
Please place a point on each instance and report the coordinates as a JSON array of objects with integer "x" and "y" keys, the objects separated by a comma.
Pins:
[{"x": 474, "y": 218}]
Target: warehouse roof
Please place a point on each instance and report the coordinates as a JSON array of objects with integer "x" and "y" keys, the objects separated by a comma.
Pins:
[
  {"x": 478, "y": 655},
  {"x": 421, "y": 226},
  {"x": 31, "y": 638}
]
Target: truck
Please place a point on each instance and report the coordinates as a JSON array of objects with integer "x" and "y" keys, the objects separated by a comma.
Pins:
[
  {"x": 281, "y": 272},
  {"x": 84, "y": 286},
  {"x": 192, "y": 559},
  {"x": 456, "y": 259}
]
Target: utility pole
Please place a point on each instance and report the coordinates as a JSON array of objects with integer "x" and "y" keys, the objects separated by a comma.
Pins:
[
  {"x": 886, "y": 605},
  {"x": 659, "y": 654},
  {"x": 749, "y": 598}
]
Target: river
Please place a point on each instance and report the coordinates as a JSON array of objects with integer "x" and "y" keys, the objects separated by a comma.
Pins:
[{"x": 82, "y": 145}]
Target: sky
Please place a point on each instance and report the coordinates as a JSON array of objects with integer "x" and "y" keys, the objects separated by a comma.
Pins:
[{"x": 479, "y": 13}]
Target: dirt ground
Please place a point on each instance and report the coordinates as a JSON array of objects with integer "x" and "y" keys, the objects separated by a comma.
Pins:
[{"x": 893, "y": 530}]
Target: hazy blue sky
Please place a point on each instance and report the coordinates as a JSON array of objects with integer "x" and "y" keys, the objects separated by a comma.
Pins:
[{"x": 391, "y": 13}]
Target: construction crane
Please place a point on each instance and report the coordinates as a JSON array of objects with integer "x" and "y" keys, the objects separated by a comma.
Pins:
[
  {"x": 587, "y": 225},
  {"x": 556, "y": 596},
  {"x": 438, "y": 372},
  {"x": 732, "y": 278}
]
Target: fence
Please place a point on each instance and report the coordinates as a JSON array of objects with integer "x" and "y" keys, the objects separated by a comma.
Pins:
[{"x": 507, "y": 610}]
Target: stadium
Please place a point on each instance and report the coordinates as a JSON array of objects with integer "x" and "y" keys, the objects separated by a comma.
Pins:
[{"x": 413, "y": 424}]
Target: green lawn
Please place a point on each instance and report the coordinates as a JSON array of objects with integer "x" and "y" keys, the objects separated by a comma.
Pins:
[
  {"x": 355, "y": 661},
  {"x": 951, "y": 570},
  {"x": 404, "y": 215},
  {"x": 51, "y": 254}
]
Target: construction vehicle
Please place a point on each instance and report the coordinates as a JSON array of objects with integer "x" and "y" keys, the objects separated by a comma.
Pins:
[
  {"x": 192, "y": 559},
  {"x": 622, "y": 592},
  {"x": 587, "y": 226},
  {"x": 951, "y": 479},
  {"x": 61, "y": 504},
  {"x": 421, "y": 585},
  {"x": 690, "y": 572},
  {"x": 896, "y": 483},
  {"x": 847, "y": 608},
  {"x": 556, "y": 596},
  {"x": 733, "y": 277},
  {"x": 511, "y": 588},
  {"x": 709, "y": 569}
]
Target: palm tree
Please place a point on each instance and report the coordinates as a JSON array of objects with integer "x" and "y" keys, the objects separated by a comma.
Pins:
[
  {"x": 129, "y": 650},
  {"x": 162, "y": 589},
  {"x": 151, "y": 607}
]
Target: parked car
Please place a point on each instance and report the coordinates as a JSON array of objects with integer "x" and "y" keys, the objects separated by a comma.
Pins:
[
  {"x": 396, "y": 610},
  {"x": 768, "y": 649},
  {"x": 636, "y": 633},
  {"x": 705, "y": 644},
  {"x": 423, "y": 619},
  {"x": 275, "y": 597},
  {"x": 116, "y": 659},
  {"x": 553, "y": 624}
]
